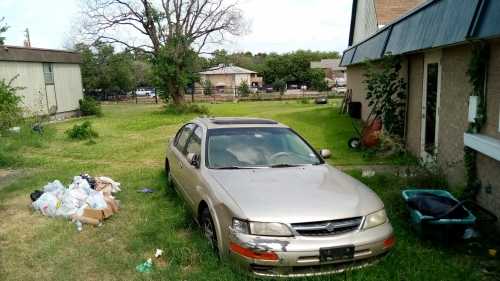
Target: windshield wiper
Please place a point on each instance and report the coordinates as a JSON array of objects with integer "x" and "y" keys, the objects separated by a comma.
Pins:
[
  {"x": 284, "y": 165},
  {"x": 233, "y": 168}
]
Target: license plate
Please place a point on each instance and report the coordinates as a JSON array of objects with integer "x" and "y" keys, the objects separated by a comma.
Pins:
[{"x": 336, "y": 253}]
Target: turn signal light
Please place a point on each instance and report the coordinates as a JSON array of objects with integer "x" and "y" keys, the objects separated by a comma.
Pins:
[
  {"x": 249, "y": 253},
  {"x": 389, "y": 242}
]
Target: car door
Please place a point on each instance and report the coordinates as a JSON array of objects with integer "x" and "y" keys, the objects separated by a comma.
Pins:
[
  {"x": 176, "y": 161},
  {"x": 191, "y": 174}
]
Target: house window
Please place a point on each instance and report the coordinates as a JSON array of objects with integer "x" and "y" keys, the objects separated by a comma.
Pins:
[{"x": 48, "y": 73}]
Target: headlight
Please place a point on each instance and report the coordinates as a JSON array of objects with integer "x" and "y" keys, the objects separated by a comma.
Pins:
[
  {"x": 375, "y": 219},
  {"x": 241, "y": 226},
  {"x": 261, "y": 228}
]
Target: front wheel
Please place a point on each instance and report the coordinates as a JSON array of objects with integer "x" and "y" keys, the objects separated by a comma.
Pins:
[
  {"x": 168, "y": 173},
  {"x": 208, "y": 228},
  {"x": 354, "y": 143}
]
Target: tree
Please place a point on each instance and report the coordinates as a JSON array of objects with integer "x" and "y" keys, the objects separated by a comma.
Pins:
[
  {"x": 175, "y": 69},
  {"x": 105, "y": 72},
  {"x": 3, "y": 29},
  {"x": 207, "y": 87},
  {"x": 280, "y": 86},
  {"x": 190, "y": 24},
  {"x": 243, "y": 89}
]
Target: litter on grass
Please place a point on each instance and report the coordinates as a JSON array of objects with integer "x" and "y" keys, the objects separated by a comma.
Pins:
[
  {"x": 145, "y": 267},
  {"x": 146, "y": 190},
  {"x": 87, "y": 200}
]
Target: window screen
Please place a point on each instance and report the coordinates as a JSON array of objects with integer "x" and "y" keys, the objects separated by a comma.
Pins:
[{"x": 48, "y": 73}]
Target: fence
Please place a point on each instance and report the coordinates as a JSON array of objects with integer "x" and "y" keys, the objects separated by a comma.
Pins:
[{"x": 289, "y": 95}]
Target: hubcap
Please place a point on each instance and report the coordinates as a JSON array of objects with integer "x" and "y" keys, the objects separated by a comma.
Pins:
[{"x": 209, "y": 232}]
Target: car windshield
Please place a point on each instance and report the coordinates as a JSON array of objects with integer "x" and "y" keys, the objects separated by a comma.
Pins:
[{"x": 233, "y": 148}]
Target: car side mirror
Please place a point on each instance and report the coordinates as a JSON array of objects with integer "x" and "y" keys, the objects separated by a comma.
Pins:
[
  {"x": 325, "y": 153},
  {"x": 194, "y": 159}
]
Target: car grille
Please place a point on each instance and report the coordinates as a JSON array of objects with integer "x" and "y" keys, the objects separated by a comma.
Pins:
[{"x": 327, "y": 228}]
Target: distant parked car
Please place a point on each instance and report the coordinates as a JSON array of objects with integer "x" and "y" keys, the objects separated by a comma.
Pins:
[
  {"x": 268, "y": 201},
  {"x": 145, "y": 92},
  {"x": 321, "y": 100}
]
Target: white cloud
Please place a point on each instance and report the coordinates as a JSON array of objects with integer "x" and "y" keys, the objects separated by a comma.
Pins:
[{"x": 276, "y": 25}]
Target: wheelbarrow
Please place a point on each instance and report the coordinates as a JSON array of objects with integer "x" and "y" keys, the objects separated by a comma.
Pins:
[
  {"x": 437, "y": 214},
  {"x": 368, "y": 136}
]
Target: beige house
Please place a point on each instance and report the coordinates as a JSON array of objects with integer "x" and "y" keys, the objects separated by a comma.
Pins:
[
  {"x": 226, "y": 79},
  {"x": 439, "y": 105},
  {"x": 334, "y": 73},
  {"x": 49, "y": 81}
]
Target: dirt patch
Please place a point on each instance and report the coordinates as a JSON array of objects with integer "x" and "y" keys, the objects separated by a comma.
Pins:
[{"x": 7, "y": 176}]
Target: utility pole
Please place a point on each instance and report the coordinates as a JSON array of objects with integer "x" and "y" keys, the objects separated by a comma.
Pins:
[{"x": 27, "y": 40}]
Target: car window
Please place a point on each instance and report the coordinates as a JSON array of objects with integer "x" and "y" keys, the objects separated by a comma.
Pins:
[
  {"x": 257, "y": 147},
  {"x": 194, "y": 143},
  {"x": 183, "y": 135}
]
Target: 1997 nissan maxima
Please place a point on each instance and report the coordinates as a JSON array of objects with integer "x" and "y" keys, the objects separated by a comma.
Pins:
[{"x": 266, "y": 199}]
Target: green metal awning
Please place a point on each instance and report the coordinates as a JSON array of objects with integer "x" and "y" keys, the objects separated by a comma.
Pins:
[{"x": 437, "y": 23}]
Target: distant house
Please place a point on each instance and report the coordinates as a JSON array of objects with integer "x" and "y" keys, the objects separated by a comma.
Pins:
[
  {"x": 436, "y": 43},
  {"x": 368, "y": 16},
  {"x": 50, "y": 80},
  {"x": 227, "y": 78},
  {"x": 334, "y": 73}
]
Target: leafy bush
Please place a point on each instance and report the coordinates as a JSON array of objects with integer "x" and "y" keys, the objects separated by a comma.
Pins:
[
  {"x": 83, "y": 131},
  {"x": 320, "y": 85},
  {"x": 386, "y": 94},
  {"x": 187, "y": 108},
  {"x": 89, "y": 106},
  {"x": 243, "y": 89},
  {"x": 207, "y": 87},
  {"x": 280, "y": 86},
  {"x": 10, "y": 111}
]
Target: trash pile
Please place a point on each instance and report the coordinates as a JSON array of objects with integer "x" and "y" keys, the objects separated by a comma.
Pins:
[{"x": 87, "y": 200}]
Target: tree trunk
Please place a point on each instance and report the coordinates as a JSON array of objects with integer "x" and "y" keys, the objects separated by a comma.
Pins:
[{"x": 177, "y": 96}]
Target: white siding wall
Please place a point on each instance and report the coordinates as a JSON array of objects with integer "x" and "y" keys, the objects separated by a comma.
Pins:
[
  {"x": 238, "y": 78},
  {"x": 366, "y": 20},
  {"x": 69, "y": 89},
  {"x": 30, "y": 78},
  {"x": 68, "y": 85}
]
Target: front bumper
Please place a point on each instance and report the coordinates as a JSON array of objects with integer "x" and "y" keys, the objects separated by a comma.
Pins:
[{"x": 299, "y": 256}]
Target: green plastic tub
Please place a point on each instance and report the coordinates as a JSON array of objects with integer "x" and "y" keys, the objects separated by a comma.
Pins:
[{"x": 442, "y": 229}]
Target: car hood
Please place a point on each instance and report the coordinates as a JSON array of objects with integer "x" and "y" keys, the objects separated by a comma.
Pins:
[{"x": 298, "y": 194}]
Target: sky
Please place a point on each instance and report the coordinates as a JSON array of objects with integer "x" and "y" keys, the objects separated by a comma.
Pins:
[{"x": 274, "y": 25}]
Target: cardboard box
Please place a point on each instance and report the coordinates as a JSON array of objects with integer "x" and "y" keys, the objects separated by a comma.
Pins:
[
  {"x": 112, "y": 204},
  {"x": 107, "y": 212},
  {"x": 88, "y": 220},
  {"x": 93, "y": 214}
]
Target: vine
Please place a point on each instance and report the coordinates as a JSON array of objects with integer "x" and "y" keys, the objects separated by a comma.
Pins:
[
  {"x": 386, "y": 94},
  {"x": 477, "y": 72}
]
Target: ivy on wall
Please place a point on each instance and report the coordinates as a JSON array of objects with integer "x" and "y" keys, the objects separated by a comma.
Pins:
[
  {"x": 477, "y": 73},
  {"x": 386, "y": 94}
]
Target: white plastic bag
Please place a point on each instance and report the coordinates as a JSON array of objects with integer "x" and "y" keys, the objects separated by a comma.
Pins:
[
  {"x": 56, "y": 188},
  {"x": 96, "y": 200},
  {"x": 47, "y": 204}
]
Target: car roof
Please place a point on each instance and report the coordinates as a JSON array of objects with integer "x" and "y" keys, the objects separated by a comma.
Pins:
[{"x": 237, "y": 122}]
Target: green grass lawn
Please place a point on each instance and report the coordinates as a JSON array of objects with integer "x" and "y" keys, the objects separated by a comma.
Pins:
[{"x": 130, "y": 149}]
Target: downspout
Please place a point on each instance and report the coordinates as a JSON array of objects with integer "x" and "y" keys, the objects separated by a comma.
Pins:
[{"x": 407, "y": 104}]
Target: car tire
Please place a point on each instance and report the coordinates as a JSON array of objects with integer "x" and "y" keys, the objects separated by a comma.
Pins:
[
  {"x": 354, "y": 143},
  {"x": 208, "y": 229},
  {"x": 170, "y": 181}
]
